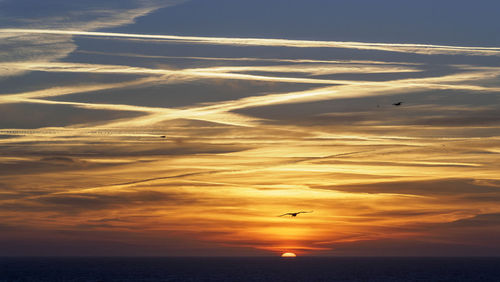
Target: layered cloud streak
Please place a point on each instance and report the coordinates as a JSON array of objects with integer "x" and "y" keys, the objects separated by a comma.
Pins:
[{"x": 208, "y": 150}]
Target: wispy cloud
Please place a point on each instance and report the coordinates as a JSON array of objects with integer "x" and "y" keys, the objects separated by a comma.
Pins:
[
  {"x": 46, "y": 48},
  {"x": 288, "y": 134}
]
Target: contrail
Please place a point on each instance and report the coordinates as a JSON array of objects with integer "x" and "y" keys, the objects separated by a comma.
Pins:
[{"x": 272, "y": 42}]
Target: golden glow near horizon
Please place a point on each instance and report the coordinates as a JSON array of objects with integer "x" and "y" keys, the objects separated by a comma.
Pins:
[
  {"x": 208, "y": 152},
  {"x": 288, "y": 255}
]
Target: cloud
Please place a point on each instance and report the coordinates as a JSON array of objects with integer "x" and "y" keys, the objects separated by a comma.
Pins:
[
  {"x": 206, "y": 145},
  {"x": 453, "y": 190},
  {"x": 45, "y": 48}
]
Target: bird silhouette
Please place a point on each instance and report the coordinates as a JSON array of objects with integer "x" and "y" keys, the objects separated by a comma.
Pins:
[
  {"x": 294, "y": 214},
  {"x": 398, "y": 104}
]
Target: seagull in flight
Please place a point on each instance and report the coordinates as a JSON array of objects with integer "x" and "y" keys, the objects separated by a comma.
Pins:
[
  {"x": 294, "y": 214},
  {"x": 398, "y": 104}
]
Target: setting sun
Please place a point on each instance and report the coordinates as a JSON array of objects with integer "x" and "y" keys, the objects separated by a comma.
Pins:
[{"x": 288, "y": 255}]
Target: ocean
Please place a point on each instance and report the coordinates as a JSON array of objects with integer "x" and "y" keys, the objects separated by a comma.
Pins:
[{"x": 248, "y": 269}]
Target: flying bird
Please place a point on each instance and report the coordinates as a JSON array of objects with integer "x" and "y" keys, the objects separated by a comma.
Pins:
[
  {"x": 398, "y": 104},
  {"x": 294, "y": 214}
]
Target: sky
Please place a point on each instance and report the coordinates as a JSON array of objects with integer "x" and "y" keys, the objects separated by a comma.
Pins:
[{"x": 185, "y": 128}]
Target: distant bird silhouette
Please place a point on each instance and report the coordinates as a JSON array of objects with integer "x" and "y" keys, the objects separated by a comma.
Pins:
[
  {"x": 163, "y": 136},
  {"x": 398, "y": 104},
  {"x": 294, "y": 214}
]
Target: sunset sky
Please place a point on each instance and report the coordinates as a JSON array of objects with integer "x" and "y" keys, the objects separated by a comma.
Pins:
[{"x": 185, "y": 128}]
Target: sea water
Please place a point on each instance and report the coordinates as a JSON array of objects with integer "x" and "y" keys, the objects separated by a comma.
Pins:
[{"x": 249, "y": 269}]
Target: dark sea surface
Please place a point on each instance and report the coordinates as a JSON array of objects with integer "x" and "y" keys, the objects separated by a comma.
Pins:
[{"x": 249, "y": 269}]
